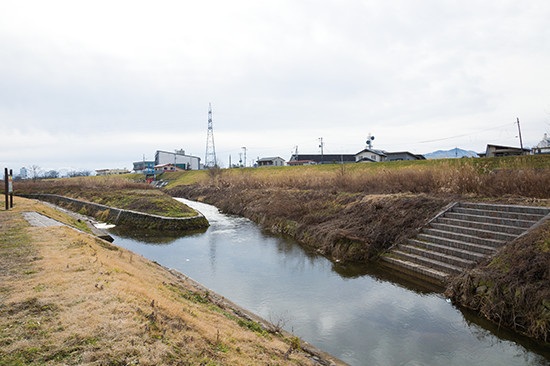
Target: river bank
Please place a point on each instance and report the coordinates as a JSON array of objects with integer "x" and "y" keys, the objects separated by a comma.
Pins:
[
  {"x": 358, "y": 227},
  {"x": 340, "y": 225},
  {"x": 69, "y": 298}
]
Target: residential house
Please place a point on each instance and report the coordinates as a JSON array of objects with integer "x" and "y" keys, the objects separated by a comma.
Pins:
[
  {"x": 322, "y": 158},
  {"x": 275, "y": 161},
  {"x": 497, "y": 150},
  {"x": 164, "y": 168},
  {"x": 301, "y": 162},
  {"x": 542, "y": 147},
  {"x": 370, "y": 156},
  {"x": 402, "y": 155},
  {"x": 111, "y": 171}
]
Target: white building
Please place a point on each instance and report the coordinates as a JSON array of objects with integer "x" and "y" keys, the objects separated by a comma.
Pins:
[
  {"x": 112, "y": 171},
  {"x": 179, "y": 159},
  {"x": 543, "y": 147},
  {"x": 368, "y": 155},
  {"x": 276, "y": 161}
]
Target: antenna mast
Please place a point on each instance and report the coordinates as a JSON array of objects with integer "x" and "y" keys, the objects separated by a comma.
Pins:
[
  {"x": 210, "y": 156},
  {"x": 321, "y": 146}
]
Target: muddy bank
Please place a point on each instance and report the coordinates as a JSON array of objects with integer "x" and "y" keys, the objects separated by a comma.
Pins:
[{"x": 344, "y": 226}]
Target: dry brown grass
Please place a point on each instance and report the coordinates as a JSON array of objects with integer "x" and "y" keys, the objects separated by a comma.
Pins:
[
  {"x": 443, "y": 178},
  {"x": 78, "y": 184},
  {"x": 111, "y": 191},
  {"x": 74, "y": 299},
  {"x": 511, "y": 288},
  {"x": 341, "y": 225}
]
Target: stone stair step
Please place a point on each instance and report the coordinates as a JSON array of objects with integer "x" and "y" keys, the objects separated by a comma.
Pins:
[
  {"x": 427, "y": 262},
  {"x": 503, "y": 214},
  {"x": 416, "y": 268},
  {"x": 490, "y": 219},
  {"x": 457, "y": 251},
  {"x": 482, "y": 226},
  {"x": 461, "y": 236},
  {"x": 437, "y": 255},
  {"x": 485, "y": 245},
  {"x": 507, "y": 208},
  {"x": 485, "y": 234}
]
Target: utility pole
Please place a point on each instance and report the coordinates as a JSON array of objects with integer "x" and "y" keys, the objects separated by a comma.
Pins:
[
  {"x": 230, "y": 161},
  {"x": 6, "y": 188},
  {"x": 520, "y": 140},
  {"x": 321, "y": 145},
  {"x": 244, "y": 149},
  {"x": 10, "y": 187}
]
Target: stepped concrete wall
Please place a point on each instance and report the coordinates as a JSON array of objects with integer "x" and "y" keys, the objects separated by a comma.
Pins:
[
  {"x": 462, "y": 235},
  {"x": 123, "y": 217}
]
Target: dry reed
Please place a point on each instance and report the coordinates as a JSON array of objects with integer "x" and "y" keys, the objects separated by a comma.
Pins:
[{"x": 443, "y": 178}]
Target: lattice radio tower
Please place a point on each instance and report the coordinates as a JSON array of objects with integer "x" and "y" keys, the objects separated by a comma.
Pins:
[{"x": 210, "y": 156}]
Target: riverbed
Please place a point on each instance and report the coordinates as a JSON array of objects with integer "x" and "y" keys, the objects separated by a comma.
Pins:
[{"x": 361, "y": 314}]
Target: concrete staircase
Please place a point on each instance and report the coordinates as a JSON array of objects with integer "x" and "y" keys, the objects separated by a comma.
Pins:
[{"x": 461, "y": 236}]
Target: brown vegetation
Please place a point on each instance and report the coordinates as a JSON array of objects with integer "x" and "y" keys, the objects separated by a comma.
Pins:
[
  {"x": 69, "y": 298},
  {"x": 457, "y": 178},
  {"x": 110, "y": 191},
  {"x": 356, "y": 211},
  {"x": 512, "y": 288},
  {"x": 343, "y": 226}
]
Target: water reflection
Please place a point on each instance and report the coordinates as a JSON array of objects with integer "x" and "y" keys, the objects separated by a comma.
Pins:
[
  {"x": 361, "y": 314},
  {"x": 150, "y": 236}
]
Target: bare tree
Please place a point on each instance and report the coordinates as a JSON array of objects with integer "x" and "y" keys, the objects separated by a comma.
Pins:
[
  {"x": 79, "y": 173},
  {"x": 34, "y": 171},
  {"x": 51, "y": 174}
]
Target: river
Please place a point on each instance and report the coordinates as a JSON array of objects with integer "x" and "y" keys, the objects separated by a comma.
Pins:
[{"x": 358, "y": 313}]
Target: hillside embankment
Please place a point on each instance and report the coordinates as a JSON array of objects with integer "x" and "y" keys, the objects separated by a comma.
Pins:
[
  {"x": 348, "y": 227},
  {"x": 117, "y": 201},
  {"x": 70, "y": 298},
  {"x": 356, "y": 213},
  {"x": 512, "y": 288}
]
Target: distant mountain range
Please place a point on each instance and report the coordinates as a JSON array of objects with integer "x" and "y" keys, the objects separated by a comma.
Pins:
[{"x": 450, "y": 154}]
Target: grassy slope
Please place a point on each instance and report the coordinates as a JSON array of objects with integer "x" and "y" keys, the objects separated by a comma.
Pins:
[
  {"x": 111, "y": 191},
  {"x": 321, "y": 174},
  {"x": 69, "y": 298}
]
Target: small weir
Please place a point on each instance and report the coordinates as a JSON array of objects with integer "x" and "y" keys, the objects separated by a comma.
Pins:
[{"x": 359, "y": 313}]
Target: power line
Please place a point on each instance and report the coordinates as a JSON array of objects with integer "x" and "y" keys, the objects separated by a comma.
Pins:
[{"x": 466, "y": 134}]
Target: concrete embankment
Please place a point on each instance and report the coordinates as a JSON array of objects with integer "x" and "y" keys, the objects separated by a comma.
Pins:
[{"x": 123, "y": 217}]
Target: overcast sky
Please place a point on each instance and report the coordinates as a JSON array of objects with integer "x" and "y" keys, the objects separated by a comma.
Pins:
[{"x": 100, "y": 84}]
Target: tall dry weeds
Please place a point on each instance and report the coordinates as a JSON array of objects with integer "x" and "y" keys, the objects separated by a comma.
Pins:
[
  {"x": 465, "y": 179},
  {"x": 78, "y": 184}
]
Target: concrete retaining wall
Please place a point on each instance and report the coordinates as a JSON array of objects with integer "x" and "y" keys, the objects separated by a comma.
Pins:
[{"x": 122, "y": 217}]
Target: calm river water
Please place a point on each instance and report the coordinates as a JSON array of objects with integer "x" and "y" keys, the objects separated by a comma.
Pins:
[{"x": 359, "y": 314}]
